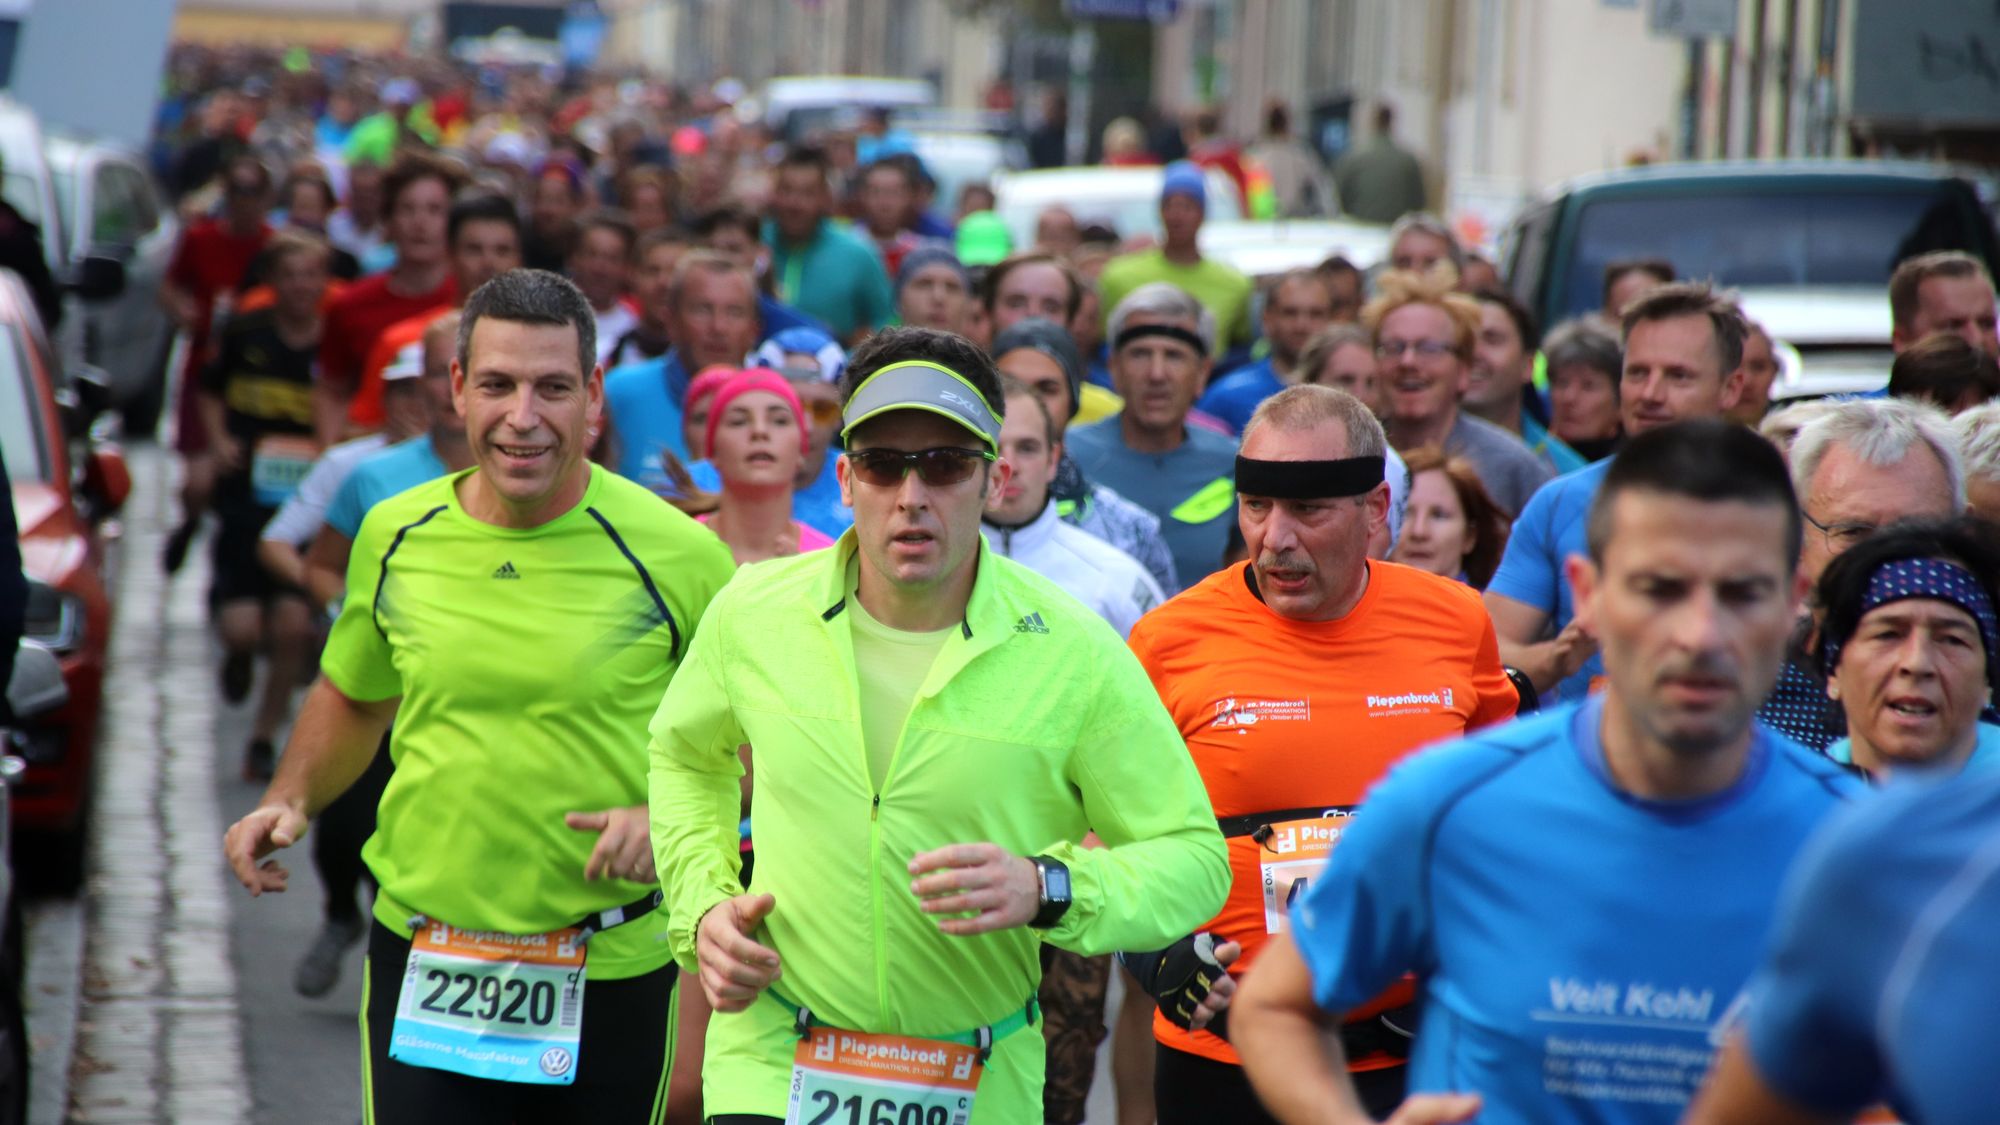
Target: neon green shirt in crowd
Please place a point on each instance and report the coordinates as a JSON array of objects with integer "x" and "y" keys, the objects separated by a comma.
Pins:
[
  {"x": 1224, "y": 292},
  {"x": 528, "y": 662},
  {"x": 1034, "y": 726}
]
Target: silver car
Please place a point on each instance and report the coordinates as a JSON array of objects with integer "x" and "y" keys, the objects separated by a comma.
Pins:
[{"x": 108, "y": 206}]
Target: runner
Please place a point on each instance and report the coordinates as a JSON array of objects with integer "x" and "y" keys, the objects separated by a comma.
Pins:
[
  {"x": 518, "y": 619},
  {"x": 1683, "y": 346},
  {"x": 256, "y": 400},
  {"x": 417, "y": 200},
  {"x": 1042, "y": 355},
  {"x": 713, "y": 323},
  {"x": 1160, "y": 343},
  {"x": 1297, "y": 681},
  {"x": 879, "y": 944},
  {"x": 1559, "y": 983},
  {"x": 1022, "y": 524}
]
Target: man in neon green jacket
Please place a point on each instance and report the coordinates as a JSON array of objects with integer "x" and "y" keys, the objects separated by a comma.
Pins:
[{"x": 935, "y": 729}]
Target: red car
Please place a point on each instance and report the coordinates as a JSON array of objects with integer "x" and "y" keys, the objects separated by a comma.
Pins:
[{"x": 64, "y": 485}]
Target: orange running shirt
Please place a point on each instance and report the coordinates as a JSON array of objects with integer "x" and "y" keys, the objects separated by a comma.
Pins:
[
  {"x": 1282, "y": 714},
  {"x": 365, "y": 411}
]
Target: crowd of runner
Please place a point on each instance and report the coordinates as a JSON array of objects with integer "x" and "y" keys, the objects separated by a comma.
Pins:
[{"x": 785, "y": 649}]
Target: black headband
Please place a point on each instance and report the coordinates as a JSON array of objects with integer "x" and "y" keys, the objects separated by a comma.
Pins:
[
  {"x": 1308, "y": 480},
  {"x": 1170, "y": 331}
]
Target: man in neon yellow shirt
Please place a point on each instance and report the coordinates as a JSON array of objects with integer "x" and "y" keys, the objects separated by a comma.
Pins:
[
  {"x": 517, "y": 620},
  {"x": 917, "y": 825},
  {"x": 1178, "y": 261}
]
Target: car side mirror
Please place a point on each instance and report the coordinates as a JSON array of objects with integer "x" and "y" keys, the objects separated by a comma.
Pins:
[
  {"x": 37, "y": 686},
  {"x": 96, "y": 277},
  {"x": 107, "y": 481}
]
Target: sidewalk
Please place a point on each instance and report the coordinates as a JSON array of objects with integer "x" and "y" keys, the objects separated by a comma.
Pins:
[{"x": 158, "y": 1038}]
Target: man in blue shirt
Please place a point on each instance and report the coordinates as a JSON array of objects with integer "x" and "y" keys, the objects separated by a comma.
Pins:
[
  {"x": 1160, "y": 343},
  {"x": 713, "y": 322},
  {"x": 1881, "y": 984},
  {"x": 820, "y": 269},
  {"x": 1683, "y": 348},
  {"x": 1583, "y": 894},
  {"x": 1297, "y": 305},
  {"x": 1502, "y": 374}
]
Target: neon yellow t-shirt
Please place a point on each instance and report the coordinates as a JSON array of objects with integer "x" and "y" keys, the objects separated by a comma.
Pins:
[
  {"x": 893, "y": 664},
  {"x": 1224, "y": 291},
  {"x": 529, "y": 662}
]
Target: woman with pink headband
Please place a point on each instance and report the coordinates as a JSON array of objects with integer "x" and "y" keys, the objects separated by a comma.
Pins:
[{"x": 755, "y": 438}]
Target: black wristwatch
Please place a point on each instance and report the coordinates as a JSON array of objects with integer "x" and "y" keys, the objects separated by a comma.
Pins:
[{"x": 1054, "y": 900}]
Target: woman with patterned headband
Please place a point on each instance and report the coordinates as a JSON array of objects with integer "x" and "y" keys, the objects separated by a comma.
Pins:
[{"x": 1909, "y": 646}]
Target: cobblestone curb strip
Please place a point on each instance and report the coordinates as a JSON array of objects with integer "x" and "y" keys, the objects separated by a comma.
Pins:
[{"x": 160, "y": 1038}]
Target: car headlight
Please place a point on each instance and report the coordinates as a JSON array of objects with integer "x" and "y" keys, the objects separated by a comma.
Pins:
[{"x": 55, "y": 618}]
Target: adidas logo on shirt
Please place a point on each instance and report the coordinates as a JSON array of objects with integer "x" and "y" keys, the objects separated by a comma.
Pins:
[
  {"x": 1032, "y": 623},
  {"x": 507, "y": 570}
]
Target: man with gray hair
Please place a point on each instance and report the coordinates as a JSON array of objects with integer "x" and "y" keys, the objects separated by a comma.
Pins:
[
  {"x": 1420, "y": 240},
  {"x": 1161, "y": 339},
  {"x": 1858, "y": 467},
  {"x": 1979, "y": 444}
]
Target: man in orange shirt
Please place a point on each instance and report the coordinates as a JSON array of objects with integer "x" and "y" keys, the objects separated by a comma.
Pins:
[
  {"x": 483, "y": 239},
  {"x": 1297, "y": 680}
]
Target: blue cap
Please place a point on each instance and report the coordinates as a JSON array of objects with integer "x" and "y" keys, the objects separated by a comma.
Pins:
[{"x": 1184, "y": 177}]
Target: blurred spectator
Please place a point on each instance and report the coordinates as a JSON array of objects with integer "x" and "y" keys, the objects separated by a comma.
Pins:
[
  {"x": 1178, "y": 261},
  {"x": 1979, "y": 435},
  {"x": 1208, "y": 147},
  {"x": 1056, "y": 231},
  {"x": 1480, "y": 275},
  {"x": 1296, "y": 306},
  {"x": 556, "y": 200},
  {"x": 886, "y": 196},
  {"x": 1452, "y": 527},
  {"x": 357, "y": 227},
  {"x": 1501, "y": 378},
  {"x": 647, "y": 196},
  {"x": 1584, "y": 363},
  {"x": 218, "y": 141},
  {"x": 973, "y": 198},
  {"x": 1947, "y": 291},
  {"x": 1380, "y": 181},
  {"x": 1343, "y": 355},
  {"x": 654, "y": 259},
  {"x": 1946, "y": 371},
  {"x": 932, "y": 290},
  {"x": 1125, "y": 144},
  {"x": 1420, "y": 240},
  {"x": 1625, "y": 279},
  {"x": 821, "y": 270},
  {"x": 1299, "y": 181},
  {"x": 1047, "y": 139},
  {"x": 1760, "y": 372},
  {"x": 736, "y": 234},
  {"x": 1344, "y": 279},
  {"x": 601, "y": 266}
]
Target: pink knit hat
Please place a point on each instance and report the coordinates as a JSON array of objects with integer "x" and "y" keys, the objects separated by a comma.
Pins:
[{"x": 742, "y": 382}]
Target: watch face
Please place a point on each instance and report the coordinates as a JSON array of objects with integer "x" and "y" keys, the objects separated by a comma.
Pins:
[{"x": 1057, "y": 881}]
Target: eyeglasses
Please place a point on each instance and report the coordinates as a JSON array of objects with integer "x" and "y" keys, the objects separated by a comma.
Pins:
[
  {"x": 1841, "y": 536},
  {"x": 821, "y": 412},
  {"x": 1427, "y": 349},
  {"x": 945, "y": 465}
]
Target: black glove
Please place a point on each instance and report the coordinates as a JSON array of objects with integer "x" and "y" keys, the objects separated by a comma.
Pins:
[{"x": 1180, "y": 977}]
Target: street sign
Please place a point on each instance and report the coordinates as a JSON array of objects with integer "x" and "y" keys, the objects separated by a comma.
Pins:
[
  {"x": 1155, "y": 11},
  {"x": 1693, "y": 19}
]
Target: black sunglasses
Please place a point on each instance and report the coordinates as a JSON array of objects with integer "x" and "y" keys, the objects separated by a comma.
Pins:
[{"x": 945, "y": 465}]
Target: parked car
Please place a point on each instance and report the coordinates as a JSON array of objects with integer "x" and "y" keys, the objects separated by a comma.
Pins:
[
  {"x": 1265, "y": 248},
  {"x": 35, "y": 689},
  {"x": 1809, "y": 244},
  {"x": 109, "y": 206},
  {"x": 1126, "y": 199},
  {"x": 797, "y": 105},
  {"x": 65, "y": 482},
  {"x": 957, "y": 158}
]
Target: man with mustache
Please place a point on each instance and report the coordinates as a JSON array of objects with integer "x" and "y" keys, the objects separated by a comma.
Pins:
[
  {"x": 1296, "y": 680},
  {"x": 1683, "y": 352},
  {"x": 1582, "y": 894}
]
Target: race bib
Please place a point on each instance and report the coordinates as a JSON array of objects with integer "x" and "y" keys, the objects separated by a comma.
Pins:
[
  {"x": 492, "y": 1005},
  {"x": 277, "y": 465},
  {"x": 852, "y": 1078},
  {"x": 1292, "y": 854}
]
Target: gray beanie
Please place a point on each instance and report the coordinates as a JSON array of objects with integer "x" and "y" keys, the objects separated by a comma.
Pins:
[{"x": 1052, "y": 340}]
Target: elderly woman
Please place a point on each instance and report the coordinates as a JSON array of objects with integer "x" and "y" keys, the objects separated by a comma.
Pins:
[{"x": 1909, "y": 645}]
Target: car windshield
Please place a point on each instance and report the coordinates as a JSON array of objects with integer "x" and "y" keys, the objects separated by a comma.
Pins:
[
  {"x": 22, "y": 427},
  {"x": 1747, "y": 238}
]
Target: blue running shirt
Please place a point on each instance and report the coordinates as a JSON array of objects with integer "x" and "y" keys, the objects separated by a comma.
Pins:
[
  {"x": 1549, "y": 530},
  {"x": 1577, "y": 947}
]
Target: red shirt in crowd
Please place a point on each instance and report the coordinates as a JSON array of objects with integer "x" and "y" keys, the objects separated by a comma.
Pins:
[{"x": 357, "y": 321}]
